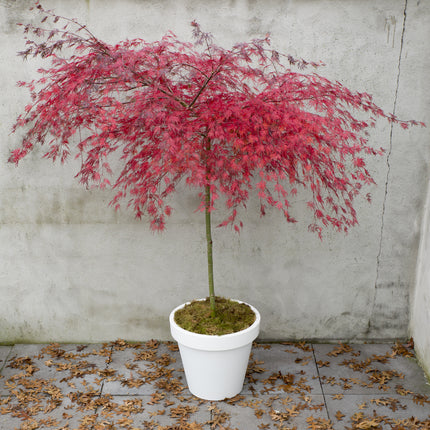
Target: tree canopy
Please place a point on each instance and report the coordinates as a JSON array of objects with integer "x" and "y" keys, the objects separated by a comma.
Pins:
[{"x": 229, "y": 121}]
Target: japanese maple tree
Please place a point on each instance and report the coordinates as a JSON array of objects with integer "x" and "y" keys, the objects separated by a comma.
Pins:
[{"x": 224, "y": 121}]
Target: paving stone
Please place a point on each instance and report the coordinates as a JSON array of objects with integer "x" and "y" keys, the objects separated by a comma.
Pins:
[
  {"x": 268, "y": 411},
  {"x": 142, "y": 371},
  {"x": 27, "y": 352},
  {"x": 97, "y": 385},
  {"x": 172, "y": 350},
  {"x": 414, "y": 377},
  {"x": 63, "y": 415},
  {"x": 392, "y": 407},
  {"x": 70, "y": 367},
  {"x": 149, "y": 413},
  {"x": 289, "y": 359},
  {"x": 363, "y": 369}
]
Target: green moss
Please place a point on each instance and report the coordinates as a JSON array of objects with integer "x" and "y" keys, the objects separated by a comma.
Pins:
[{"x": 230, "y": 317}]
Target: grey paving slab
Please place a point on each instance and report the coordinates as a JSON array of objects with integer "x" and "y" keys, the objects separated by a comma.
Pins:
[
  {"x": 25, "y": 416},
  {"x": 386, "y": 411},
  {"x": 25, "y": 353},
  {"x": 139, "y": 370},
  {"x": 271, "y": 411},
  {"x": 123, "y": 385},
  {"x": 367, "y": 369},
  {"x": 150, "y": 412},
  {"x": 70, "y": 367},
  {"x": 275, "y": 365},
  {"x": 413, "y": 376}
]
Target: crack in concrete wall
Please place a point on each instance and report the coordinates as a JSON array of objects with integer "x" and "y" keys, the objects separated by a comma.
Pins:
[{"x": 387, "y": 178}]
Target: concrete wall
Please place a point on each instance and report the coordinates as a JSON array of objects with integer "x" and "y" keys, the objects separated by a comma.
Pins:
[
  {"x": 420, "y": 303},
  {"x": 72, "y": 269}
]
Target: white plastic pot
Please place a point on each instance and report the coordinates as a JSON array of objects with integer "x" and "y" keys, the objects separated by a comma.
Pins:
[{"x": 215, "y": 366}]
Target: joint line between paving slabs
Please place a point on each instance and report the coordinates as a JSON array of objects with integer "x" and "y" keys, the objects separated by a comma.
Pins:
[
  {"x": 100, "y": 408},
  {"x": 6, "y": 359},
  {"x": 109, "y": 361},
  {"x": 321, "y": 385}
]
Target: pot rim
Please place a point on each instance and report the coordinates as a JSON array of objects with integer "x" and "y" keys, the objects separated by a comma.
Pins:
[{"x": 215, "y": 342}]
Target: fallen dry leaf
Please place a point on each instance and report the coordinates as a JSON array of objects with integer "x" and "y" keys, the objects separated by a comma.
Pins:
[
  {"x": 339, "y": 415},
  {"x": 340, "y": 349}
]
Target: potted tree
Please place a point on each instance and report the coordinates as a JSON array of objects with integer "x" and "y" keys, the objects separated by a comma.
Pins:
[{"x": 224, "y": 122}]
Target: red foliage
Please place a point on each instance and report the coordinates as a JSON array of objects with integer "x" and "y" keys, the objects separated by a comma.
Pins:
[{"x": 235, "y": 120}]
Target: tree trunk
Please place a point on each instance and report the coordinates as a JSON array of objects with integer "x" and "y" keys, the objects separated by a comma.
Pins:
[{"x": 209, "y": 249}]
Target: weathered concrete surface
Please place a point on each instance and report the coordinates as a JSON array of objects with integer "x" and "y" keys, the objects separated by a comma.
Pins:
[
  {"x": 320, "y": 387},
  {"x": 72, "y": 269},
  {"x": 420, "y": 303}
]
